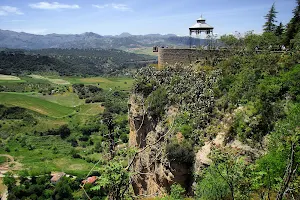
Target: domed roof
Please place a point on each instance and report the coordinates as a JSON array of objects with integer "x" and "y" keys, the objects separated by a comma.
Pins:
[{"x": 201, "y": 25}]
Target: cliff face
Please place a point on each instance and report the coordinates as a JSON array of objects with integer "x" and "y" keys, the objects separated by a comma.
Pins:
[
  {"x": 154, "y": 173},
  {"x": 169, "y": 110}
]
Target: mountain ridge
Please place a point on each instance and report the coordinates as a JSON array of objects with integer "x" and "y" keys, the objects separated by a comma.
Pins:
[{"x": 22, "y": 40}]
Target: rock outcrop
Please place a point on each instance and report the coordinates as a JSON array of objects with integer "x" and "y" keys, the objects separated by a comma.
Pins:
[{"x": 153, "y": 172}]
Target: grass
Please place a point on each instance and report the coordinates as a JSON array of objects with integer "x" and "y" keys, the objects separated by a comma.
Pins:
[
  {"x": 36, "y": 104},
  {"x": 9, "y": 78},
  {"x": 90, "y": 109},
  {"x": 55, "y": 81},
  {"x": 143, "y": 50},
  {"x": 67, "y": 99},
  {"x": 2, "y": 159},
  {"x": 44, "y": 159},
  {"x": 105, "y": 83},
  {"x": 51, "y": 153}
]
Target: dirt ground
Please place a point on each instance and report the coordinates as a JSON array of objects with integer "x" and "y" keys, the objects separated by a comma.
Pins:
[{"x": 2, "y": 188}]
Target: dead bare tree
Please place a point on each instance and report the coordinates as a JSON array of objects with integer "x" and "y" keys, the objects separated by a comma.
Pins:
[{"x": 290, "y": 171}]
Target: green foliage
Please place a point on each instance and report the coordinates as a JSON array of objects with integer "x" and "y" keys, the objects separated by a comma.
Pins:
[
  {"x": 64, "y": 131},
  {"x": 279, "y": 30},
  {"x": 16, "y": 113},
  {"x": 234, "y": 170},
  {"x": 269, "y": 170},
  {"x": 9, "y": 180},
  {"x": 180, "y": 153},
  {"x": 230, "y": 41},
  {"x": 296, "y": 41},
  {"x": 293, "y": 27},
  {"x": 267, "y": 173},
  {"x": 145, "y": 86},
  {"x": 188, "y": 87},
  {"x": 271, "y": 19},
  {"x": 212, "y": 186},
  {"x": 35, "y": 104},
  {"x": 2, "y": 160},
  {"x": 260, "y": 84},
  {"x": 263, "y": 42},
  {"x": 177, "y": 192},
  {"x": 63, "y": 190},
  {"x": 114, "y": 179},
  {"x": 156, "y": 103},
  {"x": 70, "y": 61}
]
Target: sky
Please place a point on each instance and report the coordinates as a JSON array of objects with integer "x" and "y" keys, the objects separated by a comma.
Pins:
[{"x": 138, "y": 17}]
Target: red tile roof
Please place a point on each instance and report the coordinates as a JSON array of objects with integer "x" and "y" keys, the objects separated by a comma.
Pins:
[{"x": 90, "y": 180}]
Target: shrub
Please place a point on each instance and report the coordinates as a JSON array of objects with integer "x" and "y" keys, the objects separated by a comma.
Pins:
[
  {"x": 180, "y": 153},
  {"x": 177, "y": 192},
  {"x": 156, "y": 103}
]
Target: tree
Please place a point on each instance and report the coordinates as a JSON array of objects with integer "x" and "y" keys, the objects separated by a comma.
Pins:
[
  {"x": 114, "y": 179},
  {"x": 230, "y": 40},
  {"x": 212, "y": 186},
  {"x": 64, "y": 131},
  {"x": 271, "y": 19},
  {"x": 293, "y": 26},
  {"x": 296, "y": 42},
  {"x": 108, "y": 120},
  {"x": 63, "y": 190},
  {"x": 279, "y": 29},
  {"x": 9, "y": 180},
  {"x": 285, "y": 141},
  {"x": 233, "y": 170}
]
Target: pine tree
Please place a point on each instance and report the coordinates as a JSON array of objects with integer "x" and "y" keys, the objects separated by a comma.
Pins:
[
  {"x": 279, "y": 29},
  {"x": 270, "y": 25},
  {"x": 293, "y": 26}
]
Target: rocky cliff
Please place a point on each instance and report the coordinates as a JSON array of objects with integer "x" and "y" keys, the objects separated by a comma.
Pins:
[
  {"x": 154, "y": 172},
  {"x": 175, "y": 125},
  {"x": 159, "y": 104}
]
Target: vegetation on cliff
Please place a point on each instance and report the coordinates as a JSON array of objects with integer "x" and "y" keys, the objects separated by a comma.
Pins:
[{"x": 225, "y": 132}]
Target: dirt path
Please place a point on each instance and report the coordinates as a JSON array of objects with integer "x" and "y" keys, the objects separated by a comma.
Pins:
[
  {"x": 8, "y": 156},
  {"x": 10, "y": 165}
]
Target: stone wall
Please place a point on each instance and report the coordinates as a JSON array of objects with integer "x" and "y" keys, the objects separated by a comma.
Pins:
[{"x": 190, "y": 56}]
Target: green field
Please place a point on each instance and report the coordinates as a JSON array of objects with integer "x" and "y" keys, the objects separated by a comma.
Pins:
[
  {"x": 45, "y": 159},
  {"x": 57, "y": 81},
  {"x": 36, "y": 104},
  {"x": 120, "y": 83},
  {"x": 66, "y": 99},
  {"x": 143, "y": 50},
  {"x": 9, "y": 78},
  {"x": 52, "y": 104},
  {"x": 105, "y": 83},
  {"x": 90, "y": 109}
]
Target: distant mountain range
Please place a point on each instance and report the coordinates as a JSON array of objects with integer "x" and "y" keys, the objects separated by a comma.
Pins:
[{"x": 21, "y": 40}]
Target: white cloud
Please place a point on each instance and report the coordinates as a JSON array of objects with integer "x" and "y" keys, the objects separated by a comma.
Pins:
[
  {"x": 9, "y": 10},
  {"x": 101, "y": 6},
  {"x": 53, "y": 6},
  {"x": 121, "y": 7}
]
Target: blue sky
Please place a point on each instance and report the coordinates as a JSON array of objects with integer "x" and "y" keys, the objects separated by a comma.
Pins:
[{"x": 137, "y": 16}]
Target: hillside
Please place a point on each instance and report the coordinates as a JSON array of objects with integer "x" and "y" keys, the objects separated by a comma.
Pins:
[
  {"x": 72, "y": 61},
  {"x": 47, "y": 126},
  {"x": 224, "y": 132},
  {"x": 15, "y": 40}
]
